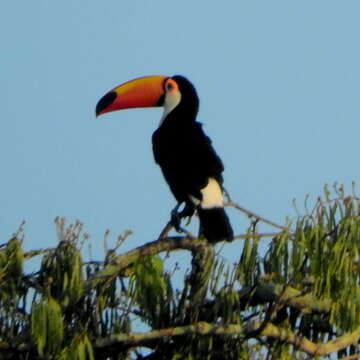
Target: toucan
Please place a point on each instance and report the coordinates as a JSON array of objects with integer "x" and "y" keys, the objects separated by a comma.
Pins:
[{"x": 188, "y": 161}]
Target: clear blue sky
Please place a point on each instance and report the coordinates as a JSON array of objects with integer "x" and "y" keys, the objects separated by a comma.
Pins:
[{"x": 279, "y": 89}]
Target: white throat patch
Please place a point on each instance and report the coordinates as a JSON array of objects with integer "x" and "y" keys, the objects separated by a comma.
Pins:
[{"x": 172, "y": 99}]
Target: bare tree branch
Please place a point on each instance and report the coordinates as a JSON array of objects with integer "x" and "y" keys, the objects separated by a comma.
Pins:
[
  {"x": 351, "y": 357},
  {"x": 204, "y": 328},
  {"x": 253, "y": 215},
  {"x": 124, "y": 261}
]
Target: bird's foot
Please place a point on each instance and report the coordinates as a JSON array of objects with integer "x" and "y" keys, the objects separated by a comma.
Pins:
[
  {"x": 175, "y": 219},
  {"x": 177, "y": 216}
]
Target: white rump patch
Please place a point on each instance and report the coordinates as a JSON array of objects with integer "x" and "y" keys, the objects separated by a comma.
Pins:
[
  {"x": 172, "y": 100},
  {"x": 212, "y": 196}
]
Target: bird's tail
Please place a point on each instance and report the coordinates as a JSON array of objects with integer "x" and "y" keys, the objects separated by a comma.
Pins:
[{"x": 215, "y": 225}]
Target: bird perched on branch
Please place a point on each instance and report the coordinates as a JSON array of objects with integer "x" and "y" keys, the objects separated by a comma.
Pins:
[{"x": 184, "y": 153}]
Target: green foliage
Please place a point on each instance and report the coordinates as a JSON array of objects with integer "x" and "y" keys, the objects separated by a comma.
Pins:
[
  {"x": 149, "y": 288},
  {"x": 62, "y": 271},
  {"x": 80, "y": 348},
  {"x": 305, "y": 286},
  {"x": 13, "y": 290},
  {"x": 323, "y": 253},
  {"x": 11, "y": 269},
  {"x": 248, "y": 267},
  {"x": 47, "y": 327}
]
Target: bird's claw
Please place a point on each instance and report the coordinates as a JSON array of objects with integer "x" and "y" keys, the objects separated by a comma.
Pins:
[
  {"x": 177, "y": 216},
  {"x": 176, "y": 220}
]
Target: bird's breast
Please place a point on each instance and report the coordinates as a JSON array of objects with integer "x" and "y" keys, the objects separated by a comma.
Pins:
[{"x": 169, "y": 145}]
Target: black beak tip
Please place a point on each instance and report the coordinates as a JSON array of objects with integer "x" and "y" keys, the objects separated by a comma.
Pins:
[{"x": 105, "y": 101}]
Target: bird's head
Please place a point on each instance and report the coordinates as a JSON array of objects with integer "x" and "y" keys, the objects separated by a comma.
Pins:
[{"x": 175, "y": 92}]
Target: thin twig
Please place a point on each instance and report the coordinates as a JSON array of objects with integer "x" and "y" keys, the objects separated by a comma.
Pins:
[
  {"x": 33, "y": 253},
  {"x": 165, "y": 231},
  {"x": 251, "y": 214},
  {"x": 351, "y": 357},
  {"x": 260, "y": 235}
]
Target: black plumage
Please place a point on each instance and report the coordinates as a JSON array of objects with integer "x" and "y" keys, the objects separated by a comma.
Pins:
[{"x": 188, "y": 160}]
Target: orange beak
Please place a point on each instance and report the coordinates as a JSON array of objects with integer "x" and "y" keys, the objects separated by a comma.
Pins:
[{"x": 142, "y": 92}]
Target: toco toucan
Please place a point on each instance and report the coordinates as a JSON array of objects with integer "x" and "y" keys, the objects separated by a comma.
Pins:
[{"x": 187, "y": 159}]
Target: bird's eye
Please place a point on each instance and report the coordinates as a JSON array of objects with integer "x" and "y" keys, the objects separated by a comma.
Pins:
[{"x": 171, "y": 85}]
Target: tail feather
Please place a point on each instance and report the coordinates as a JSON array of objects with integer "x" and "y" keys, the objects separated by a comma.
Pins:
[{"x": 215, "y": 225}]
